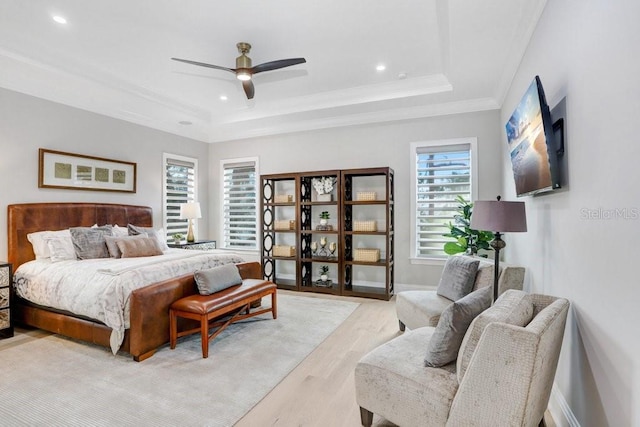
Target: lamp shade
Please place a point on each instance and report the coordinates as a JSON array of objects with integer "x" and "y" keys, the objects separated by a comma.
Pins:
[
  {"x": 499, "y": 216},
  {"x": 190, "y": 210}
]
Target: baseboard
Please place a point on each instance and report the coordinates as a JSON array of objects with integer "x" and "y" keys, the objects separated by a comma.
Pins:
[{"x": 560, "y": 410}]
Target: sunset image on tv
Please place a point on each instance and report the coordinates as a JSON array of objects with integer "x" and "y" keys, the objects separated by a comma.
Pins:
[{"x": 527, "y": 145}]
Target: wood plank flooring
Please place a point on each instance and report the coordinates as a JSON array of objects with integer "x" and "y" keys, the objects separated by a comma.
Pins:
[{"x": 321, "y": 390}]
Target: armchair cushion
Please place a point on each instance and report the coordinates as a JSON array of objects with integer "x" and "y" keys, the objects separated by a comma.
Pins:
[
  {"x": 457, "y": 277},
  {"x": 513, "y": 307},
  {"x": 453, "y": 324}
]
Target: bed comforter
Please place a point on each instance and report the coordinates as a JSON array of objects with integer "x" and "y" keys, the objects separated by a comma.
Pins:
[{"x": 101, "y": 288}]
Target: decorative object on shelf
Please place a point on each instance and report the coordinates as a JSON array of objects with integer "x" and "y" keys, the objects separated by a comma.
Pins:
[
  {"x": 284, "y": 250},
  {"x": 323, "y": 248},
  {"x": 57, "y": 169},
  {"x": 365, "y": 226},
  {"x": 366, "y": 196},
  {"x": 190, "y": 211},
  {"x": 177, "y": 238},
  {"x": 499, "y": 217},
  {"x": 284, "y": 224},
  {"x": 283, "y": 198},
  {"x": 324, "y": 218},
  {"x": 468, "y": 240},
  {"x": 324, "y": 270},
  {"x": 332, "y": 248},
  {"x": 324, "y": 187},
  {"x": 367, "y": 255},
  {"x": 314, "y": 247}
]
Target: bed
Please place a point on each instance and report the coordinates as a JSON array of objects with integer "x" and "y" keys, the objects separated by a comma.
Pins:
[{"x": 148, "y": 305}]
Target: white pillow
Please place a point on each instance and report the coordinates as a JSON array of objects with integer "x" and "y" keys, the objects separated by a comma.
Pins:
[
  {"x": 119, "y": 231},
  {"x": 60, "y": 248},
  {"x": 39, "y": 244}
]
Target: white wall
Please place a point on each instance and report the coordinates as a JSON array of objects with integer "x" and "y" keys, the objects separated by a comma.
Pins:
[
  {"x": 588, "y": 52},
  {"x": 369, "y": 146},
  {"x": 28, "y": 123}
]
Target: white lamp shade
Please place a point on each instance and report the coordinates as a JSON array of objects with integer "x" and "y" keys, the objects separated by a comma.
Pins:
[
  {"x": 499, "y": 216},
  {"x": 190, "y": 210}
]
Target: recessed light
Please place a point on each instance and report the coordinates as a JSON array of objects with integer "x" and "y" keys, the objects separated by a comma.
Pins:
[
  {"x": 402, "y": 76},
  {"x": 381, "y": 67},
  {"x": 59, "y": 19},
  {"x": 185, "y": 122},
  {"x": 223, "y": 97}
]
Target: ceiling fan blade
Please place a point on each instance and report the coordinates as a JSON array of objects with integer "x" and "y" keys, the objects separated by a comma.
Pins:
[
  {"x": 248, "y": 88},
  {"x": 202, "y": 64},
  {"x": 274, "y": 65}
]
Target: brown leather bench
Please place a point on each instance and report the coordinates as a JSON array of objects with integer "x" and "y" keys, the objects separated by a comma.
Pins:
[{"x": 206, "y": 308}]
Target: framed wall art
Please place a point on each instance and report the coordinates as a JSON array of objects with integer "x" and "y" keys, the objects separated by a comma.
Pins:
[{"x": 78, "y": 172}]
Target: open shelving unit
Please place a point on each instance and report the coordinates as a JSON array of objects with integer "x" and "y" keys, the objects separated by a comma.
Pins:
[{"x": 290, "y": 221}]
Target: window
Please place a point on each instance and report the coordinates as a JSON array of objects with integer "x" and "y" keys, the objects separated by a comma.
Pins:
[
  {"x": 239, "y": 207},
  {"x": 179, "y": 186},
  {"x": 441, "y": 171}
]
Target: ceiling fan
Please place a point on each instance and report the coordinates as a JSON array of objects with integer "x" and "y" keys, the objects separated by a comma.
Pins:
[{"x": 244, "y": 71}]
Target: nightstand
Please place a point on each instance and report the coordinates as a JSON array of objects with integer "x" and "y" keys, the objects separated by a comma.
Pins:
[
  {"x": 199, "y": 244},
  {"x": 6, "y": 323}
]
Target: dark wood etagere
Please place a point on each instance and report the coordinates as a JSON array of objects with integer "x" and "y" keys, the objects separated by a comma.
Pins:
[{"x": 290, "y": 226}]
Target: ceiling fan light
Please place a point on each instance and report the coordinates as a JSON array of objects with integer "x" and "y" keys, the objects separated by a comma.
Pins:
[{"x": 243, "y": 76}]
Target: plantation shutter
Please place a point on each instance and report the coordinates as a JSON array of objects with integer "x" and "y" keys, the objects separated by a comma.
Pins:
[
  {"x": 240, "y": 200},
  {"x": 180, "y": 187},
  {"x": 442, "y": 172}
]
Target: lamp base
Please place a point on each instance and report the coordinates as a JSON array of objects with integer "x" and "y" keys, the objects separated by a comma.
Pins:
[
  {"x": 190, "y": 237},
  {"x": 497, "y": 243}
]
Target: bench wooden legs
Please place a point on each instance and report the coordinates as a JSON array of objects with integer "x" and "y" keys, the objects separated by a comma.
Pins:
[{"x": 240, "y": 310}]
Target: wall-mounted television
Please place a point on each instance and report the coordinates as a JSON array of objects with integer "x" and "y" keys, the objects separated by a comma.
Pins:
[{"x": 532, "y": 146}]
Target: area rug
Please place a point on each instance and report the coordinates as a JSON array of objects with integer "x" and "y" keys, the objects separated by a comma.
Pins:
[{"x": 57, "y": 381}]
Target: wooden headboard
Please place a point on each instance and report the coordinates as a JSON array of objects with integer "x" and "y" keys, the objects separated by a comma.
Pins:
[{"x": 26, "y": 218}]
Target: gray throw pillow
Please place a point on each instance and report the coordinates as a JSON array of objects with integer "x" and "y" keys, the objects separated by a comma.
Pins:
[
  {"x": 89, "y": 242},
  {"x": 453, "y": 324},
  {"x": 457, "y": 277},
  {"x": 217, "y": 278},
  {"x": 149, "y": 231}
]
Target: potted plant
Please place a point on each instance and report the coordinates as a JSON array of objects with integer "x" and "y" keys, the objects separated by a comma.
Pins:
[
  {"x": 468, "y": 240},
  {"x": 324, "y": 269},
  {"x": 324, "y": 217},
  {"x": 324, "y": 187},
  {"x": 177, "y": 238}
]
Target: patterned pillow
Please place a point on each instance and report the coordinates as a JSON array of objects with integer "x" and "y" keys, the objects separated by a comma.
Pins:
[
  {"x": 89, "y": 242},
  {"x": 457, "y": 277},
  {"x": 142, "y": 246},
  {"x": 453, "y": 324},
  {"x": 60, "y": 248},
  {"x": 39, "y": 243}
]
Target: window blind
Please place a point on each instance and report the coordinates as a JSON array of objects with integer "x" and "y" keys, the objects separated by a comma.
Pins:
[
  {"x": 240, "y": 205},
  {"x": 442, "y": 173},
  {"x": 179, "y": 187}
]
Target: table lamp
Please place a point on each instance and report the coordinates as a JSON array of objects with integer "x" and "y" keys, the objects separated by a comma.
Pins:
[
  {"x": 499, "y": 217},
  {"x": 190, "y": 211}
]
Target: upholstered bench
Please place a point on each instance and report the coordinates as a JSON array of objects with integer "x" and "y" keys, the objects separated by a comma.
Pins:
[{"x": 205, "y": 308}]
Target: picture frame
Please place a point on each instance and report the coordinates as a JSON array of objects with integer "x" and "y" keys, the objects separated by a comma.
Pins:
[{"x": 57, "y": 169}]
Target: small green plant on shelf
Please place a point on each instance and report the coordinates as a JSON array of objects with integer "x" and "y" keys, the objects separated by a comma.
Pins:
[
  {"x": 324, "y": 270},
  {"x": 177, "y": 237},
  {"x": 324, "y": 215}
]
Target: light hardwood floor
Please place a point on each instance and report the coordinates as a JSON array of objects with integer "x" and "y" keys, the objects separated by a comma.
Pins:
[{"x": 321, "y": 391}]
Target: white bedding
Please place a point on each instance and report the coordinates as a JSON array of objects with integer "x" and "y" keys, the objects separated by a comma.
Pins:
[{"x": 100, "y": 288}]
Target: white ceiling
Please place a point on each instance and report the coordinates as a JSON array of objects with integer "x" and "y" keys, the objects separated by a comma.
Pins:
[{"x": 113, "y": 58}]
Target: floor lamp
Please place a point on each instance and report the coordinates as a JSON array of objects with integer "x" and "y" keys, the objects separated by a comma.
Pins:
[
  {"x": 190, "y": 211},
  {"x": 499, "y": 217}
]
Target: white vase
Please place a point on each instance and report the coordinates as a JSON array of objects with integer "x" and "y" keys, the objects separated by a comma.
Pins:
[
  {"x": 324, "y": 197},
  {"x": 324, "y": 277},
  {"x": 323, "y": 221}
]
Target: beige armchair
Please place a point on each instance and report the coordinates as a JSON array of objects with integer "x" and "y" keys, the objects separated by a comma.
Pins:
[{"x": 502, "y": 377}]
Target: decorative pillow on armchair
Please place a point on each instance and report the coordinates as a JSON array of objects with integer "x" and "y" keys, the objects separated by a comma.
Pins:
[
  {"x": 453, "y": 324},
  {"x": 457, "y": 277}
]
